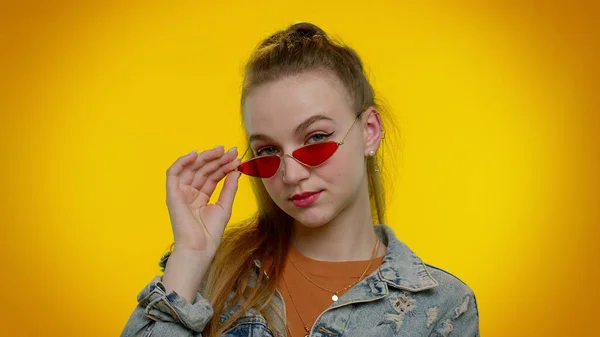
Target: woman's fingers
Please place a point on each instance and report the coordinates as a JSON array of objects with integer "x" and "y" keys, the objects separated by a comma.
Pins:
[
  {"x": 201, "y": 171},
  {"x": 228, "y": 192},
  {"x": 175, "y": 170},
  {"x": 202, "y": 175},
  {"x": 206, "y": 157},
  {"x": 211, "y": 182}
]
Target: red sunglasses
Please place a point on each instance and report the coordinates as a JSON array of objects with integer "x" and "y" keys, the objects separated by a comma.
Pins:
[{"x": 311, "y": 155}]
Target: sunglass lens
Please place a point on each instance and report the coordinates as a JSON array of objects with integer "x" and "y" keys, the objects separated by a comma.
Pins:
[
  {"x": 262, "y": 167},
  {"x": 315, "y": 154}
]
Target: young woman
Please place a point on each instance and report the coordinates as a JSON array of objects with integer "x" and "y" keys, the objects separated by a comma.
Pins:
[{"x": 312, "y": 262}]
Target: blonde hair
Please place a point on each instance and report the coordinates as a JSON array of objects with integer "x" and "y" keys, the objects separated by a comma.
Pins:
[{"x": 299, "y": 48}]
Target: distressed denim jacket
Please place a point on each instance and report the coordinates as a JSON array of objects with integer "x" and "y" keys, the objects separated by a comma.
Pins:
[{"x": 403, "y": 297}]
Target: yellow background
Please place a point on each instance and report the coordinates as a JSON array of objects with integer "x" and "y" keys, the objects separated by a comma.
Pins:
[{"x": 497, "y": 181}]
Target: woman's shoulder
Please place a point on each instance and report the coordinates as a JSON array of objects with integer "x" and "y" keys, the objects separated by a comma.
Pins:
[
  {"x": 449, "y": 284},
  {"x": 407, "y": 266}
]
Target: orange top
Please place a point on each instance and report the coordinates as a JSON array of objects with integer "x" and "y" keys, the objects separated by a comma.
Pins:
[{"x": 308, "y": 301}]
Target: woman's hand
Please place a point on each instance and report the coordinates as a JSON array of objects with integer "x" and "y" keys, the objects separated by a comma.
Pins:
[{"x": 197, "y": 225}]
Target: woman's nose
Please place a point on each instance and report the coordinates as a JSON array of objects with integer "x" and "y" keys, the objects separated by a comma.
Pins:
[{"x": 293, "y": 170}]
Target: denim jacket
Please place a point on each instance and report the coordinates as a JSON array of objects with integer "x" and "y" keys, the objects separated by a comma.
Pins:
[{"x": 403, "y": 297}]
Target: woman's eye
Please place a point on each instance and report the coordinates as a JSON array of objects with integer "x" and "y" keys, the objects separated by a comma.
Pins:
[
  {"x": 319, "y": 137},
  {"x": 266, "y": 151}
]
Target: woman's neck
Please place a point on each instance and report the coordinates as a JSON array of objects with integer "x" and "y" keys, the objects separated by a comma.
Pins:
[{"x": 348, "y": 237}]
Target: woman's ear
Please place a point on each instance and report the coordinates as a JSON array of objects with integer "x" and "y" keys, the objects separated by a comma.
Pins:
[{"x": 372, "y": 130}]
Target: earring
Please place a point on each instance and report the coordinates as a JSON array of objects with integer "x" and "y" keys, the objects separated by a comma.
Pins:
[{"x": 371, "y": 154}]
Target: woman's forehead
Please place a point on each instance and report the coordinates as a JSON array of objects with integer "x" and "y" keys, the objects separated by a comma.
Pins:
[
  {"x": 288, "y": 102},
  {"x": 267, "y": 133}
]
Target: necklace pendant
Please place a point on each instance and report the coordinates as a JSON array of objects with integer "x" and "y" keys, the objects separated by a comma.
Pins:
[{"x": 335, "y": 297}]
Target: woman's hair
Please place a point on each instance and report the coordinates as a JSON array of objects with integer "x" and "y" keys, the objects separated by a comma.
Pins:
[{"x": 230, "y": 280}]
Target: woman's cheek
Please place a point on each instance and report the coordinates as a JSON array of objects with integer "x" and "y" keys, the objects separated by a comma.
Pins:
[{"x": 343, "y": 170}]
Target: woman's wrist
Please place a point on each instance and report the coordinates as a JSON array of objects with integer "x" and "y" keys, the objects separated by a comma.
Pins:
[{"x": 184, "y": 272}]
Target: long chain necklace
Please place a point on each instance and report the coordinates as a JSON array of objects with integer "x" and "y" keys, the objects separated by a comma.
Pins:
[
  {"x": 296, "y": 308},
  {"x": 335, "y": 293}
]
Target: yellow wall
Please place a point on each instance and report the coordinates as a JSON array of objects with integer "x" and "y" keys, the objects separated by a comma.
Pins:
[{"x": 497, "y": 105}]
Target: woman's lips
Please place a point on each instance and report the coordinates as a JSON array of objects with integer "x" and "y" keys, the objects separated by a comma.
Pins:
[{"x": 305, "y": 199}]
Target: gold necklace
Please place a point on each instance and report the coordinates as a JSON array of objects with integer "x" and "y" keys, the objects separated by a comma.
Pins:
[
  {"x": 296, "y": 308},
  {"x": 335, "y": 297}
]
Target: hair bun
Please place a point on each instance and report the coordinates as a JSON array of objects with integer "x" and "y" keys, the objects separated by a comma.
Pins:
[
  {"x": 305, "y": 29},
  {"x": 299, "y": 33}
]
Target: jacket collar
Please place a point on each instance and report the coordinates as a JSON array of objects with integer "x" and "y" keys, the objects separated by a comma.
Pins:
[{"x": 401, "y": 267}]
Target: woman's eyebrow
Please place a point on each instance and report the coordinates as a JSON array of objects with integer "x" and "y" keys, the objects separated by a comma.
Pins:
[{"x": 299, "y": 129}]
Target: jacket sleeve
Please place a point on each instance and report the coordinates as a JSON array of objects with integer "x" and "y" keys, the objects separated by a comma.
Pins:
[
  {"x": 462, "y": 320},
  {"x": 167, "y": 315}
]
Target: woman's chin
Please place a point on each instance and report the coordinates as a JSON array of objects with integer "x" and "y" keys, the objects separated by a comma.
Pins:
[
  {"x": 313, "y": 219},
  {"x": 316, "y": 215}
]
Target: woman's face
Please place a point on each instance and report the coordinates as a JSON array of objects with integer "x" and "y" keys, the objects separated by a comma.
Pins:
[{"x": 286, "y": 114}]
